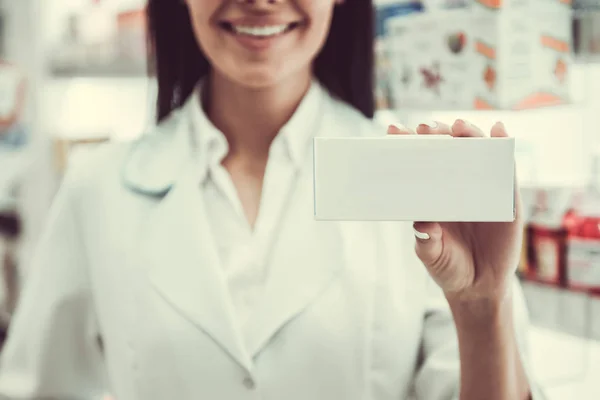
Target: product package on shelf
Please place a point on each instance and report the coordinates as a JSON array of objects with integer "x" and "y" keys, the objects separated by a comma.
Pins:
[
  {"x": 583, "y": 256},
  {"x": 431, "y": 63},
  {"x": 561, "y": 244},
  {"x": 583, "y": 250},
  {"x": 552, "y": 53},
  {"x": 487, "y": 55},
  {"x": 551, "y": 217},
  {"x": 384, "y": 12},
  {"x": 586, "y": 30},
  {"x": 437, "y": 5},
  {"x": 101, "y": 39}
]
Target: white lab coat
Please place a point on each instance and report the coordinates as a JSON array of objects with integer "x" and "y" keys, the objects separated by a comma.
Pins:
[{"x": 128, "y": 257}]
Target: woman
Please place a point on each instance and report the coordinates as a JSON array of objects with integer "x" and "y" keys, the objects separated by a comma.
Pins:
[{"x": 193, "y": 254}]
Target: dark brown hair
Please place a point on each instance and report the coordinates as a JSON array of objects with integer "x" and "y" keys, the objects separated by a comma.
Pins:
[{"x": 344, "y": 65}]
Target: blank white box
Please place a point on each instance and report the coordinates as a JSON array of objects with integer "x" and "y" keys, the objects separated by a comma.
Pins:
[{"x": 414, "y": 178}]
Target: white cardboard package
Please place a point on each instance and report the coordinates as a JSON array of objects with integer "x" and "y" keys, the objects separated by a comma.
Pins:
[{"x": 414, "y": 178}]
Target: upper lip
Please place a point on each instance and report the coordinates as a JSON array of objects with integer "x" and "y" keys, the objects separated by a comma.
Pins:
[{"x": 258, "y": 21}]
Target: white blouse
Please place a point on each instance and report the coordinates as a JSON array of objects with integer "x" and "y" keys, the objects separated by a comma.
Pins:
[{"x": 132, "y": 255}]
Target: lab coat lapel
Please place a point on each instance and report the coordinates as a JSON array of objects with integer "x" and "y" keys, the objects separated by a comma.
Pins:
[
  {"x": 176, "y": 246},
  {"x": 306, "y": 257},
  {"x": 184, "y": 266}
]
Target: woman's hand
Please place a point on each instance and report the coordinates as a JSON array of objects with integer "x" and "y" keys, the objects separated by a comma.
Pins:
[
  {"x": 474, "y": 264},
  {"x": 468, "y": 260}
]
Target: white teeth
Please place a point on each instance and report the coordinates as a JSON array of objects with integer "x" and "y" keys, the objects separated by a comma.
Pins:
[{"x": 260, "y": 31}]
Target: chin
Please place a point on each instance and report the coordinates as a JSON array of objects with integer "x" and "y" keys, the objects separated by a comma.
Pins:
[
  {"x": 258, "y": 78},
  {"x": 258, "y": 81}
]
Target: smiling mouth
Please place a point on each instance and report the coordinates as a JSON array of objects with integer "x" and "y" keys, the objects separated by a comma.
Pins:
[{"x": 259, "y": 32}]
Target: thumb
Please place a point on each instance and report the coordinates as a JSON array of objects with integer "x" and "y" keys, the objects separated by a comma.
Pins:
[{"x": 429, "y": 241}]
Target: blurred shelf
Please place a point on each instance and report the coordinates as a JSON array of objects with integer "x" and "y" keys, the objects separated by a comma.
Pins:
[
  {"x": 587, "y": 59},
  {"x": 562, "y": 309},
  {"x": 117, "y": 70},
  {"x": 554, "y": 285},
  {"x": 559, "y": 108},
  {"x": 583, "y": 7},
  {"x": 64, "y": 148}
]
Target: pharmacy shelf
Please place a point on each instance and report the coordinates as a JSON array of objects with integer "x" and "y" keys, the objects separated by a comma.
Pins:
[
  {"x": 554, "y": 285},
  {"x": 566, "y": 310},
  {"x": 122, "y": 70}
]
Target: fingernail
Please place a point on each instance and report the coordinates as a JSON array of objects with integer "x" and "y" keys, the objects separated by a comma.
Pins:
[
  {"x": 430, "y": 124},
  {"x": 421, "y": 235},
  {"x": 399, "y": 126},
  {"x": 500, "y": 124}
]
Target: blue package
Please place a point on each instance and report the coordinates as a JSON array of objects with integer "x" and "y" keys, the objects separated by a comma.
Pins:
[{"x": 387, "y": 11}]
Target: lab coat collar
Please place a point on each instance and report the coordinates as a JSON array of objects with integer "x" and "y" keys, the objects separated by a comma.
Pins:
[
  {"x": 298, "y": 132},
  {"x": 157, "y": 158},
  {"x": 295, "y": 135}
]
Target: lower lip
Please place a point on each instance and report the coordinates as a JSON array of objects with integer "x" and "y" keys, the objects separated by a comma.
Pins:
[{"x": 258, "y": 43}]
